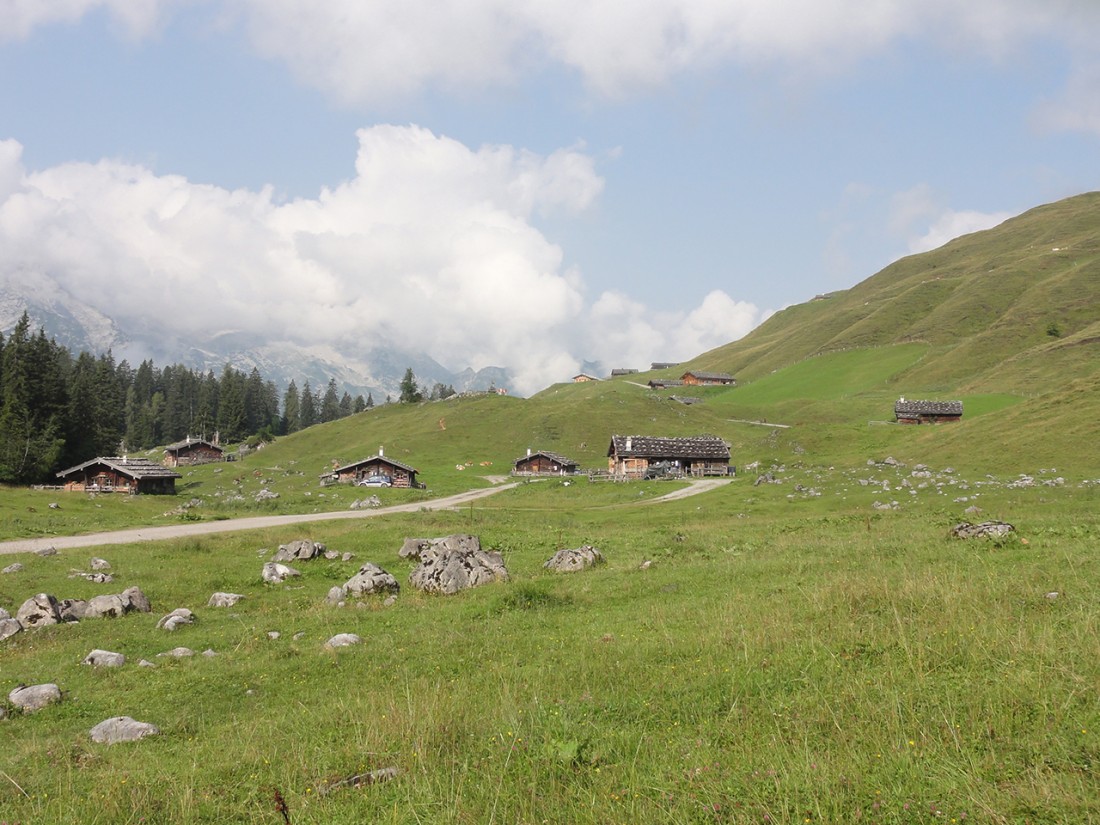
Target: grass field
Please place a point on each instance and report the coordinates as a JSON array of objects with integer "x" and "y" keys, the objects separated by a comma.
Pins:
[{"x": 790, "y": 655}]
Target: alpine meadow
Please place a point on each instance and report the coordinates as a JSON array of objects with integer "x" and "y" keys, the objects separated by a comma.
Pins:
[{"x": 808, "y": 639}]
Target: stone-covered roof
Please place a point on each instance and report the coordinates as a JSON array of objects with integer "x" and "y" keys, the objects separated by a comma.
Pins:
[
  {"x": 659, "y": 383},
  {"x": 380, "y": 457},
  {"x": 709, "y": 376},
  {"x": 555, "y": 457},
  {"x": 905, "y": 407},
  {"x": 645, "y": 446},
  {"x": 136, "y": 468},
  {"x": 191, "y": 442}
]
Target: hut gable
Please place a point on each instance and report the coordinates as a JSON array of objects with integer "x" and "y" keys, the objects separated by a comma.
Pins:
[
  {"x": 922, "y": 412},
  {"x": 399, "y": 473},
  {"x": 192, "y": 451},
  {"x": 638, "y": 456},
  {"x": 120, "y": 475},
  {"x": 544, "y": 462}
]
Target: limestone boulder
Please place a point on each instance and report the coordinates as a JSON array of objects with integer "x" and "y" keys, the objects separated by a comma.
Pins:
[
  {"x": 121, "y": 729},
  {"x": 14, "y": 567},
  {"x": 133, "y": 599},
  {"x": 72, "y": 610},
  {"x": 572, "y": 560},
  {"x": 31, "y": 698},
  {"x": 9, "y": 627},
  {"x": 104, "y": 658},
  {"x": 99, "y": 564},
  {"x": 276, "y": 573},
  {"x": 343, "y": 640},
  {"x": 221, "y": 599},
  {"x": 371, "y": 579},
  {"x": 106, "y": 606},
  {"x": 451, "y": 564},
  {"x": 176, "y": 619},
  {"x": 985, "y": 529},
  {"x": 300, "y": 550},
  {"x": 37, "y": 611}
]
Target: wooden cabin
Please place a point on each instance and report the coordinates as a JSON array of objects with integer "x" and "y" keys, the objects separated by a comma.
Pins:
[
  {"x": 120, "y": 475},
  {"x": 927, "y": 412},
  {"x": 192, "y": 451},
  {"x": 664, "y": 383},
  {"x": 643, "y": 456},
  {"x": 544, "y": 463},
  {"x": 581, "y": 377},
  {"x": 708, "y": 379},
  {"x": 400, "y": 474}
]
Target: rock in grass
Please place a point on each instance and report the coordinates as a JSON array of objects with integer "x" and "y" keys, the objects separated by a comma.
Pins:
[
  {"x": 300, "y": 550},
  {"x": 37, "y": 611},
  {"x": 371, "y": 579},
  {"x": 570, "y": 561},
  {"x": 104, "y": 658},
  {"x": 276, "y": 573},
  {"x": 336, "y": 595},
  {"x": 987, "y": 529},
  {"x": 9, "y": 627},
  {"x": 46, "y": 551},
  {"x": 121, "y": 729},
  {"x": 31, "y": 698},
  {"x": 176, "y": 619},
  {"x": 221, "y": 599},
  {"x": 454, "y": 563},
  {"x": 100, "y": 564},
  {"x": 343, "y": 640},
  {"x": 15, "y": 567},
  {"x": 177, "y": 653}
]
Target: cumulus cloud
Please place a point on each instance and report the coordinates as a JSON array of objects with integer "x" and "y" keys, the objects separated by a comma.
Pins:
[
  {"x": 920, "y": 216},
  {"x": 951, "y": 224},
  {"x": 136, "y": 17}
]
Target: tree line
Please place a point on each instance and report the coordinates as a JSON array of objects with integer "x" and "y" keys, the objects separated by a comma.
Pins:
[{"x": 57, "y": 410}]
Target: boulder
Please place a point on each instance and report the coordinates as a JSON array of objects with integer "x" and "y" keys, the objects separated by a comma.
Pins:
[
  {"x": 72, "y": 610},
  {"x": 121, "y": 729},
  {"x": 9, "y": 627},
  {"x": 177, "y": 618},
  {"x": 454, "y": 563},
  {"x": 275, "y": 573},
  {"x": 178, "y": 653},
  {"x": 570, "y": 561},
  {"x": 134, "y": 599},
  {"x": 412, "y": 547},
  {"x": 343, "y": 640},
  {"x": 99, "y": 564},
  {"x": 221, "y": 599},
  {"x": 38, "y": 610},
  {"x": 30, "y": 698},
  {"x": 986, "y": 529},
  {"x": 300, "y": 550},
  {"x": 46, "y": 551},
  {"x": 104, "y": 658},
  {"x": 336, "y": 595},
  {"x": 371, "y": 579},
  {"x": 14, "y": 567},
  {"x": 107, "y": 606}
]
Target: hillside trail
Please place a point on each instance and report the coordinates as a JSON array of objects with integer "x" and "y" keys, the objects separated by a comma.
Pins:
[{"x": 176, "y": 531}]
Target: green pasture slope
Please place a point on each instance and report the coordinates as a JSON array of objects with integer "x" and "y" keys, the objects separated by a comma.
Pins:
[{"x": 812, "y": 648}]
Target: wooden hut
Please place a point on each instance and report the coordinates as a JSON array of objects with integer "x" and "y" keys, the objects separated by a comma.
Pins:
[
  {"x": 544, "y": 463},
  {"x": 120, "y": 475},
  {"x": 643, "y": 456},
  {"x": 927, "y": 412},
  {"x": 399, "y": 473},
  {"x": 192, "y": 451}
]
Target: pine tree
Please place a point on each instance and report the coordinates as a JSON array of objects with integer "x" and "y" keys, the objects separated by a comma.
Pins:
[
  {"x": 410, "y": 392},
  {"x": 291, "y": 413},
  {"x": 330, "y": 405},
  {"x": 307, "y": 408}
]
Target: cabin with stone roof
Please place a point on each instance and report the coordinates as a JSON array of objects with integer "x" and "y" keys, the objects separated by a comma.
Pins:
[
  {"x": 698, "y": 378},
  {"x": 399, "y": 473},
  {"x": 120, "y": 475},
  {"x": 544, "y": 463},
  {"x": 643, "y": 456},
  {"x": 192, "y": 451},
  {"x": 927, "y": 412}
]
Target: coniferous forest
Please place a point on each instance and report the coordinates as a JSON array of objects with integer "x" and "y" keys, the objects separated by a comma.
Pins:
[{"x": 57, "y": 410}]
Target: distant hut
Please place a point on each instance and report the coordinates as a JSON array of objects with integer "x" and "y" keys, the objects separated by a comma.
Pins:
[
  {"x": 120, "y": 475},
  {"x": 192, "y": 451},
  {"x": 643, "y": 456},
  {"x": 698, "y": 378},
  {"x": 544, "y": 463},
  {"x": 399, "y": 473},
  {"x": 927, "y": 412}
]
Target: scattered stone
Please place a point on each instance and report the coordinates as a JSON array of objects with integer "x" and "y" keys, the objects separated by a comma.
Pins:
[
  {"x": 265, "y": 495},
  {"x": 880, "y": 505},
  {"x": 12, "y": 568},
  {"x": 986, "y": 529},
  {"x": 336, "y": 596},
  {"x": 343, "y": 640},
  {"x": 412, "y": 547},
  {"x": 1053, "y": 594},
  {"x": 100, "y": 564},
  {"x": 300, "y": 550},
  {"x": 134, "y": 599},
  {"x": 178, "y": 653},
  {"x": 361, "y": 780},
  {"x": 53, "y": 505},
  {"x": 455, "y": 563},
  {"x": 362, "y": 504},
  {"x": 275, "y": 573},
  {"x": 210, "y": 653},
  {"x": 389, "y": 601},
  {"x": 371, "y": 579},
  {"x": 972, "y": 510},
  {"x": 72, "y": 610},
  {"x": 9, "y": 627},
  {"x": 645, "y": 565},
  {"x": 37, "y": 611},
  {"x": 31, "y": 698},
  {"x": 301, "y": 634},
  {"x": 221, "y": 599},
  {"x": 570, "y": 561},
  {"x": 121, "y": 729},
  {"x": 176, "y": 619},
  {"x": 273, "y": 634},
  {"x": 145, "y": 663},
  {"x": 98, "y": 578},
  {"x": 46, "y": 551},
  {"x": 104, "y": 658}
]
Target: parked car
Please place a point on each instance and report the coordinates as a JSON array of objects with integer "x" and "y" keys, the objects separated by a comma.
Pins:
[{"x": 375, "y": 481}]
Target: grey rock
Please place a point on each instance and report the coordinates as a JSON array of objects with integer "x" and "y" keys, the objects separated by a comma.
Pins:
[
  {"x": 145, "y": 663},
  {"x": 107, "y": 606},
  {"x": 32, "y": 698},
  {"x": 389, "y": 601},
  {"x": 100, "y": 564},
  {"x": 176, "y": 619},
  {"x": 37, "y": 611},
  {"x": 210, "y": 653},
  {"x": 177, "y": 653},
  {"x": 134, "y": 599},
  {"x": 46, "y": 551},
  {"x": 336, "y": 595},
  {"x": 371, "y": 579},
  {"x": 454, "y": 563},
  {"x": 572, "y": 560},
  {"x": 4, "y": 614},
  {"x": 104, "y": 658},
  {"x": 9, "y": 627},
  {"x": 276, "y": 573},
  {"x": 72, "y": 610},
  {"x": 300, "y": 550},
  {"x": 986, "y": 529},
  {"x": 14, "y": 567},
  {"x": 343, "y": 640},
  {"x": 221, "y": 599},
  {"x": 121, "y": 729},
  {"x": 412, "y": 547}
]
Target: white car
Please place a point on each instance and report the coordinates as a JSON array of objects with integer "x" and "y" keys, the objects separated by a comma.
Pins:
[{"x": 375, "y": 481}]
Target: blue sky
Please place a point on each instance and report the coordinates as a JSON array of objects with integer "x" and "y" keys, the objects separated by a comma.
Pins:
[{"x": 601, "y": 180}]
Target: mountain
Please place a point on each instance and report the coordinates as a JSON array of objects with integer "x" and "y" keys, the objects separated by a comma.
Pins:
[
  {"x": 79, "y": 327},
  {"x": 1013, "y": 308}
]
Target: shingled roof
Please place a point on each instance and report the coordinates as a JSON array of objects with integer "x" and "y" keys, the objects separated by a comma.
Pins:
[
  {"x": 380, "y": 458},
  {"x": 645, "y": 446},
  {"x": 556, "y": 457},
  {"x": 136, "y": 468},
  {"x": 904, "y": 407},
  {"x": 191, "y": 442}
]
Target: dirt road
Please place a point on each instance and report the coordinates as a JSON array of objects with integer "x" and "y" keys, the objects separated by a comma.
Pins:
[{"x": 175, "y": 531}]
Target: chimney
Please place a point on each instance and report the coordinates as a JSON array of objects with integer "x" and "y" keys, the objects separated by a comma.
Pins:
[
  {"x": 380, "y": 450},
  {"x": 528, "y": 452},
  {"x": 629, "y": 442}
]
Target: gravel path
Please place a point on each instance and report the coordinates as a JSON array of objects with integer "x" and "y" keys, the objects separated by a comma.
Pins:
[{"x": 205, "y": 528}]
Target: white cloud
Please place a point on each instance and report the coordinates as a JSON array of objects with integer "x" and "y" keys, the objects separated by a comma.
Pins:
[
  {"x": 920, "y": 216},
  {"x": 137, "y": 17},
  {"x": 951, "y": 224},
  {"x": 1077, "y": 108}
]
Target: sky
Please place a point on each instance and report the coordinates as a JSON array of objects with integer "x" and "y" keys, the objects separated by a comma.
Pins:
[{"x": 533, "y": 186}]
